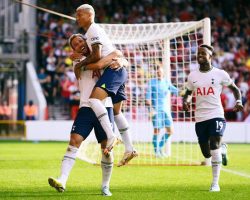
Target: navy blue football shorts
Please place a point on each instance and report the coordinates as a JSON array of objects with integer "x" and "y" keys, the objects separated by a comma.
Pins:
[
  {"x": 211, "y": 127},
  {"x": 86, "y": 120},
  {"x": 113, "y": 82}
]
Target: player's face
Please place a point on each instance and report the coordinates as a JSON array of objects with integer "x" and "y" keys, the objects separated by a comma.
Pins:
[
  {"x": 203, "y": 56},
  {"x": 159, "y": 72},
  {"x": 83, "y": 18},
  {"x": 80, "y": 46}
]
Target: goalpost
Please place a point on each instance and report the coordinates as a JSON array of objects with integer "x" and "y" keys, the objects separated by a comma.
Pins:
[{"x": 174, "y": 45}]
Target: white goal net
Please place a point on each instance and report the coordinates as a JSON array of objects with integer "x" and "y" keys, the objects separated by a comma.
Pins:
[{"x": 174, "y": 46}]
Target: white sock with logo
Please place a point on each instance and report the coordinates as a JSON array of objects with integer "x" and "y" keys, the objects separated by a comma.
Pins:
[
  {"x": 102, "y": 115},
  {"x": 216, "y": 164},
  {"x": 67, "y": 163},
  {"x": 107, "y": 167},
  {"x": 123, "y": 126}
]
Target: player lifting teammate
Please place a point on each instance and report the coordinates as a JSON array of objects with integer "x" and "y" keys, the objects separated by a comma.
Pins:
[
  {"x": 86, "y": 120},
  {"x": 207, "y": 82},
  {"x": 111, "y": 83}
]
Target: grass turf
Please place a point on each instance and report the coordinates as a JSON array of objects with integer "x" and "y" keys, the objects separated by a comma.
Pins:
[{"x": 25, "y": 168}]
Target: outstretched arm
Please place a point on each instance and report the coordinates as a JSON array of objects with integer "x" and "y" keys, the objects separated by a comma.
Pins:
[
  {"x": 95, "y": 56},
  {"x": 173, "y": 89},
  {"x": 106, "y": 61},
  {"x": 237, "y": 94}
]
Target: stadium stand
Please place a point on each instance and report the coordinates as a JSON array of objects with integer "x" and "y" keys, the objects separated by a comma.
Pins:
[{"x": 230, "y": 37}]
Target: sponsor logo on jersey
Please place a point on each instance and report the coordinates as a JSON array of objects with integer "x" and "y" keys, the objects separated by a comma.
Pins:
[
  {"x": 204, "y": 91},
  {"x": 96, "y": 74},
  {"x": 94, "y": 39}
]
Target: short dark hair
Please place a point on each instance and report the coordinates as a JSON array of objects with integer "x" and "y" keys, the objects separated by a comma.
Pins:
[{"x": 208, "y": 47}]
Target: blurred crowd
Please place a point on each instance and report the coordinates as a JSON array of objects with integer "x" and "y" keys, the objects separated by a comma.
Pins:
[{"x": 230, "y": 24}]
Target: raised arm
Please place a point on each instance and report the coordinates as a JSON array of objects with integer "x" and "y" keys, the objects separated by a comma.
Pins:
[{"x": 237, "y": 94}]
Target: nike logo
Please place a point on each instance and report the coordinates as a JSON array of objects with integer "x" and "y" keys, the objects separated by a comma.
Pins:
[{"x": 194, "y": 81}]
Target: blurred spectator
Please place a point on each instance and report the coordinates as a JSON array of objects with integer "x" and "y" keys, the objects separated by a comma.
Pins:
[
  {"x": 42, "y": 77},
  {"x": 230, "y": 115},
  {"x": 65, "y": 84},
  {"x": 247, "y": 110},
  {"x": 30, "y": 111},
  {"x": 5, "y": 115},
  {"x": 74, "y": 100},
  {"x": 230, "y": 37},
  {"x": 49, "y": 90},
  {"x": 51, "y": 65},
  {"x": 6, "y": 111}
]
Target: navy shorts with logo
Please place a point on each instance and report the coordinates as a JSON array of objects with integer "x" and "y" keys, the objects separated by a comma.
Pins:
[
  {"x": 86, "y": 120},
  {"x": 113, "y": 82},
  {"x": 211, "y": 127}
]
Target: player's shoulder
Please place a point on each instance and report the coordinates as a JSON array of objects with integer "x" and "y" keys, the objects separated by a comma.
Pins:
[
  {"x": 94, "y": 26},
  {"x": 194, "y": 73},
  {"x": 219, "y": 71}
]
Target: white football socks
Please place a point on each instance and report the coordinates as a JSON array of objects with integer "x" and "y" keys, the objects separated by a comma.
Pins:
[
  {"x": 68, "y": 163},
  {"x": 216, "y": 165},
  {"x": 102, "y": 115},
  {"x": 123, "y": 126},
  {"x": 107, "y": 166}
]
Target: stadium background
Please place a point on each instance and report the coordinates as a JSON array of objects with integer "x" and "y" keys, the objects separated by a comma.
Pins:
[
  {"x": 31, "y": 35},
  {"x": 44, "y": 40}
]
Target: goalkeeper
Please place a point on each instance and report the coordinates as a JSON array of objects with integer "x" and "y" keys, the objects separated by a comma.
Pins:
[{"x": 156, "y": 98}]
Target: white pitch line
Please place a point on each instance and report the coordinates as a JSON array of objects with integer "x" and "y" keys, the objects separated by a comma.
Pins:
[
  {"x": 236, "y": 172},
  {"x": 230, "y": 171}
]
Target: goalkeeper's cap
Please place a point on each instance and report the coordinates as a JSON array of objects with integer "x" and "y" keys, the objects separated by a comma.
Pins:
[
  {"x": 86, "y": 7},
  {"x": 209, "y": 49},
  {"x": 74, "y": 36}
]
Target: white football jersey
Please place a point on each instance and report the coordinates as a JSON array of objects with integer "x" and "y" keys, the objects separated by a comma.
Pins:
[
  {"x": 207, "y": 87},
  {"x": 86, "y": 85},
  {"x": 96, "y": 34}
]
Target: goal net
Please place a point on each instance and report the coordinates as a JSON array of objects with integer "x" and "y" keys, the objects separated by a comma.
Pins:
[{"x": 174, "y": 47}]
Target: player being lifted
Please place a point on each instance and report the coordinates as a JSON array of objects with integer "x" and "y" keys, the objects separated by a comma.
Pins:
[
  {"x": 207, "y": 82},
  {"x": 111, "y": 83},
  {"x": 86, "y": 120}
]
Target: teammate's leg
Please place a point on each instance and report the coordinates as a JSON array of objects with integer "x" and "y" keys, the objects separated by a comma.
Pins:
[
  {"x": 107, "y": 164},
  {"x": 215, "y": 151},
  {"x": 81, "y": 128},
  {"x": 205, "y": 150},
  {"x": 67, "y": 163},
  {"x": 123, "y": 127},
  {"x": 108, "y": 85},
  {"x": 107, "y": 161},
  {"x": 95, "y": 100},
  {"x": 216, "y": 129}
]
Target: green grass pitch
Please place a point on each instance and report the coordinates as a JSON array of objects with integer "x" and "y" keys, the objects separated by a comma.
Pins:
[{"x": 25, "y": 168}]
